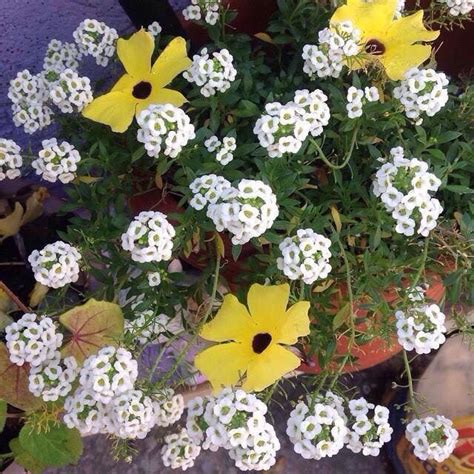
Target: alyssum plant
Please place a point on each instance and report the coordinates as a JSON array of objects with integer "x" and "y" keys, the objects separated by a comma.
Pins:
[{"x": 300, "y": 177}]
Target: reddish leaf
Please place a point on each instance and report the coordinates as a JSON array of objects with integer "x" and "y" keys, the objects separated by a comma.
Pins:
[
  {"x": 14, "y": 383},
  {"x": 92, "y": 325}
]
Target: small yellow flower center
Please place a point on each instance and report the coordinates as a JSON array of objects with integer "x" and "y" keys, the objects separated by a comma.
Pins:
[
  {"x": 374, "y": 47},
  {"x": 141, "y": 90},
  {"x": 260, "y": 342}
]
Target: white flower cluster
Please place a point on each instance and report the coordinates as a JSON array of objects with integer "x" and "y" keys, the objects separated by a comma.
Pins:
[
  {"x": 305, "y": 256},
  {"x": 422, "y": 91},
  {"x": 213, "y": 73},
  {"x": 61, "y": 56},
  {"x": 284, "y": 128},
  {"x": 368, "y": 427},
  {"x": 71, "y": 92},
  {"x": 179, "y": 451},
  {"x": 149, "y": 237},
  {"x": 56, "y": 265},
  {"x": 337, "y": 46},
  {"x": 33, "y": 340},
  {"x": 421, "y": 328},
  {"x": 154, "y": 28},
  {"x": 29, "y": 94},
  {"x": 459, "y": 7},
  {"x": 10, "y": 159},
  {"x": 235, "y": 421},
  {"x": 224, "y": 150},
  {"x": 168, "y": 406},
  {"x": 208, "y": 10},
  {"x": 404, "y": 186},
  {"x": 149, "y": 327},
  {"x": 57, "y": 161},
  {"x": 246, "y": 211},
  {"x": 207, "y": 189},
  {"x": 164, "y": 128},
  {"x": 320, "y": 431},
  {"x": 95, "y": 38},
  {"x": 432, "y": 437},
  {"x": 356, "y": 98},
  {"x": 53, "y": 378}
]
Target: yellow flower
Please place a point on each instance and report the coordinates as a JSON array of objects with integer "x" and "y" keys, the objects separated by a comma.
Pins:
[
  {"x": 143, "y": 84},
  {"x": 391, "y": 42},
  {"x": 252, "y": 353}
]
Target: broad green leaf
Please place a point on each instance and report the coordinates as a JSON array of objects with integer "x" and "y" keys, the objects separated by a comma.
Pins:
[
  {"x": 58, "y": 446},
  {"x": 25, "y": 459},
  {"x": 14, "y": 383},
  {"x": 341, "y": 316},
  {"x": 3, "y": 413},
  {"x": 92, "y": 325}
]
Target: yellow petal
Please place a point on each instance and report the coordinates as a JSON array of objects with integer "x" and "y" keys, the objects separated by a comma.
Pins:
[
  {"x": 409, "y": 29},
  {"x": 267, "y": 305},
  {"x": 231, "y": 323},
  {"x": 296, "y": 323},
  {"x": 135, "y": 53},
  {"x": 124, "y": 84},
  {"x": 115, "y": 109},
  {"x": 171, "y": 62},
  {"x": 268, "y": 367},
  {"x": 224, "y": 365},
  {"x": 161, "y": 96},
  {"x": 372, "y": 18},
  {"x": 398, "y": 60}
]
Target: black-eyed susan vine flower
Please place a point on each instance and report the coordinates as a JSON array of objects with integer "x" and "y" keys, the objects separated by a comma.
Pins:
[
  {"x": 392, "y": 43},
  {"x": 252, "y": 350},
  {"x": 143, "y": 84}
]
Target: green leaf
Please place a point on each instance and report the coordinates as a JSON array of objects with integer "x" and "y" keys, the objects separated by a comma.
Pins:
[
  {"x": 58, "y": 446},
  {"x": 458, "y": 189},
  {"x": 341, "y": 316},
  {"x": 92, "y": 325},
  {"x": 447, "y": 137},
  {"x": 3, "y": 414},
  {"x": 14, "y": 383},
  {"x": 25, "y": 459},
  {"x": 246, "y": 108}
]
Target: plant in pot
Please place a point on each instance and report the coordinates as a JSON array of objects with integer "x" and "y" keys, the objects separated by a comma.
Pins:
[{"x": 291, "y": 201}]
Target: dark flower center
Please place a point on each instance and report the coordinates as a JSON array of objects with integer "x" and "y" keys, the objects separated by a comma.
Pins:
[
  {"x": 374, "y": 47},
  {"x": 141, "y": 90},
  {"x": 261, "y": 342}
]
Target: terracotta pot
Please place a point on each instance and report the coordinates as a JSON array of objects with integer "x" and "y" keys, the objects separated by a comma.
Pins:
[{"x": 377, "y": 350}]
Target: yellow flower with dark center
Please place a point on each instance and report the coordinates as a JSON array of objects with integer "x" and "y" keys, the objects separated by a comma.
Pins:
[
  {"x": 252, "y": 352},
  {"x": 143, "y": 84},
  {"x": 393, "y": 43}
]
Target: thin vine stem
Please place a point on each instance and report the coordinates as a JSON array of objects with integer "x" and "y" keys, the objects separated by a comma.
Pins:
[
  {"x": 411, "y": 391},
  {"x": 347, "y": 157}
]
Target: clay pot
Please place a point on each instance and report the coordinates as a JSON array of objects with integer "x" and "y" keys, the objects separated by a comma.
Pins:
[{"x": 377, "y": 350}]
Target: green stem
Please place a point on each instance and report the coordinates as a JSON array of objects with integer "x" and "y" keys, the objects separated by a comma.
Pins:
[
  {"x": 411, "y": 392},
  {"x": 348, "y": 155}
]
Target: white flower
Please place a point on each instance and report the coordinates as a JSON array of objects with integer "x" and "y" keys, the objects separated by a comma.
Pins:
[
  {"x": 432, "y": 437},
  {"x": 357, "y": 98},
  {"x": 57, "y": 161},
  {"x": 179, "y": 451},
  {"x": 10, "y": 159},
  {"x": 71, "y": 92},
  {"x": 29, "y": 95},
  {"x": 421, "y": 328},
  {"x": 212, "y": 73},
  {"x": 95, "y": 38},
  {"x": 305, "y": 256},
  {"x": 149, "y": 237},
  {"x": 404, "y": 186},
  {"x": 207, "y": 189},
  {"x": 61, "y": 56},
  {"x": 154, "y": 278},
  {"x": 56, "y": 265},
  {"x": 154, "y": 28},
  {"x": 32, "y": 340},
  {"x": 53, "y": 378},
  {"x": 459, "y": 7},
  {"x": 168, "y": 407},
  {"x": 164, "y": 129},
  {"x": 423, "y": 91},
  {"x": 203, "y": 9}
]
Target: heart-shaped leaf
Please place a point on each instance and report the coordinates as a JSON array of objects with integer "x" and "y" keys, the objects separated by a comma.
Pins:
[
  {"x": 57, "y": 446},
  {"x": 92, "y": 325},
  {"x": 14, "y": 383}
]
